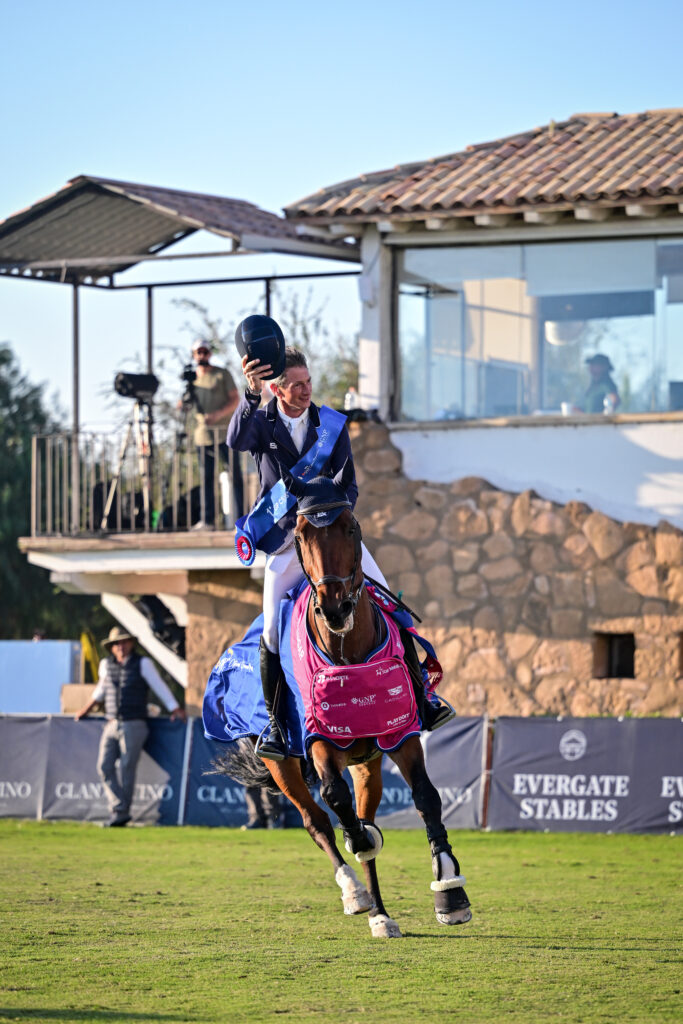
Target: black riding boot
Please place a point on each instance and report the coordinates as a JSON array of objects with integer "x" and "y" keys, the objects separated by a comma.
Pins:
[
  {"x": 432, "y": 715},
  {"x": 273, "y": 747}
]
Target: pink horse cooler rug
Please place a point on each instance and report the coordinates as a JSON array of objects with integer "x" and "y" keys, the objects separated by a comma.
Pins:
[
  {"x": 234, "y": 706},
  {"x": 343, "y": 703}
]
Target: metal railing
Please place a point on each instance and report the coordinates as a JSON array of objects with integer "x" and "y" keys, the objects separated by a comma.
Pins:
[{"x": 91, "y": 484}]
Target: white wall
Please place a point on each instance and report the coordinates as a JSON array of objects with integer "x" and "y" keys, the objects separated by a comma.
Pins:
[{"x": 629, "y": 471}]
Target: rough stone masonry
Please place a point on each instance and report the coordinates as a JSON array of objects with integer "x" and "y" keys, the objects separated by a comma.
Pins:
[{"x": 519, "y": 595}]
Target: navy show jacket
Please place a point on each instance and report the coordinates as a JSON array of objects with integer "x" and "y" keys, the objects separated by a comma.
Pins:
[{"x": 263, "y": 433}]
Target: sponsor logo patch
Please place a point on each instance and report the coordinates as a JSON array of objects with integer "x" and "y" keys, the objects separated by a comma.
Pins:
[{"x": 573, "y": 745}]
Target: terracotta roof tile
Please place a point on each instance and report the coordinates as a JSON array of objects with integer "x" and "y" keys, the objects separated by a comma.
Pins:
[{"x": 606, "y": 158}]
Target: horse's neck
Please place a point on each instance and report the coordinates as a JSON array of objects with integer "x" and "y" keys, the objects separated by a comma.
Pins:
[{"x": 355, "y": 645}]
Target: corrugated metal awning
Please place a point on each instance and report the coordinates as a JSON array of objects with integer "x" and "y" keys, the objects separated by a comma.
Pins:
[{"x": 97, "y": 227}]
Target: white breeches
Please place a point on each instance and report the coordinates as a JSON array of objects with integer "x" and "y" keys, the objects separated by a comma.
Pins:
[{"x": 282, "y": 573}]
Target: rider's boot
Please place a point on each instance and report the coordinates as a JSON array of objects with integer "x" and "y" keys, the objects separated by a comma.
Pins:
[
  {"x": 433, "y": 715},
  {"x": 274, "y": 746}
]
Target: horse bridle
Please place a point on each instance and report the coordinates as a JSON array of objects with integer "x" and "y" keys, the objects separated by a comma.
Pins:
[{"x": 351, "y": 595}]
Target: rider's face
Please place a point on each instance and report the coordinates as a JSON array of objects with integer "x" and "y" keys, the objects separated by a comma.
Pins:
[{"x": 295, "y": 394}]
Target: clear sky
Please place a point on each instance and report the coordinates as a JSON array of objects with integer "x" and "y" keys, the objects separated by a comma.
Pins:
[{"x": 269, "y": 102}]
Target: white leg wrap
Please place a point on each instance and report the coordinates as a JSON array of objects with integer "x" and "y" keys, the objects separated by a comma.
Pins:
[
  {"x": 448, "y": 883},
  {"x": 355, "y": 896},
  {"x": 383, "y": 927},
  {"x": 377, "y": 840},
  {"x": 449, "y": 879}
]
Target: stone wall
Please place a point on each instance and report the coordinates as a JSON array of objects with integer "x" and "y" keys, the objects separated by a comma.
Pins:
[
  {"x": 513, "y": 589},
  {"x": 220, "y": 606}
]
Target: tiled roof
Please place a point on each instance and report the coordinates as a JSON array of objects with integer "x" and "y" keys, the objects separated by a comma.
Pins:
[
  {"x": 598, "y": 159},
  {"x": 99, "y": 221}
]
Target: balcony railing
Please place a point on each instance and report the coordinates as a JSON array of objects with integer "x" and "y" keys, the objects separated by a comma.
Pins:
[{"x": 93, "y": 484}]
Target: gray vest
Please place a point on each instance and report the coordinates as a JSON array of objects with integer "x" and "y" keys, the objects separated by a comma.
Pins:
[{"x": 125, "y": 692}]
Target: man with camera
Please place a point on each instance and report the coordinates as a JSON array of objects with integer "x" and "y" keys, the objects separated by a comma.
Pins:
[{"x": 213, "y": 396}]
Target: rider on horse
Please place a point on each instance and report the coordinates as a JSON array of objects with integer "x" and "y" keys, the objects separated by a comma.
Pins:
[{"x": 280, "y": 437}]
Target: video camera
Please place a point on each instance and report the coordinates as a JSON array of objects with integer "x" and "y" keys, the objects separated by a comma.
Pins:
[
  {"x": 140, "y": 386},
  {"x": 189, "y": 375}
]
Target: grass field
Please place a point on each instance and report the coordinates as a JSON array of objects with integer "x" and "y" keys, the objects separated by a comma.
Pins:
[{"x": 218, "y": 925}]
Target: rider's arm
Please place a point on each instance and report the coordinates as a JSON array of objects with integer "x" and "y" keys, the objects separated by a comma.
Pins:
[
  {"x": 244, "y": 429},
  {"x": 342, "y": 452}
]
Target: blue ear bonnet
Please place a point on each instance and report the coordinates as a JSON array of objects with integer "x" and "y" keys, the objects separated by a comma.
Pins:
[{"x": 323, "y": 502}]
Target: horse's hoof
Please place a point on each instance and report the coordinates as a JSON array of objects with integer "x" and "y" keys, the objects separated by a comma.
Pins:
[
  {"x": 457, "y": 917},
  {"x": 451, "y": 905},
  {"x": 355, "y": 897},
  {"x": 383, "y": 927},
  {"x": 357, "y": 903}
]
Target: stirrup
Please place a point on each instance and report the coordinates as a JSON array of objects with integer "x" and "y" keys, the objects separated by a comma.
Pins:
[
  {"x": 442, "y": 713},
  {"x": 273, "y": 748}
]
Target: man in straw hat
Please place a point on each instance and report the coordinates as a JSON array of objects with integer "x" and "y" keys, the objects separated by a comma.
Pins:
[{"x": 122, "y": 686}]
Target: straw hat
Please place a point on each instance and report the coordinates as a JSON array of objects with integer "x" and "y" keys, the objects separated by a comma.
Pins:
[{"x": 116, "y": 634}]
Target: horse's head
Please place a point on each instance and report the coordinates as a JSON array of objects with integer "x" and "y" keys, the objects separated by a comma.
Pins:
[{"x": 328, "y": 541}]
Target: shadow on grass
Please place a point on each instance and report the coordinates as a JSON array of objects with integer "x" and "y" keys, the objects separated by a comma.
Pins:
[
  {"x": 17, "y": 1013},
  {"x": 588, "y": 945}
]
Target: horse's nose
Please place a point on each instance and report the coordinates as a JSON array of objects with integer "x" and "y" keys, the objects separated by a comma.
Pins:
[
  {"x": 346, "y": 607},
  {"x": 335, "y": 611}
]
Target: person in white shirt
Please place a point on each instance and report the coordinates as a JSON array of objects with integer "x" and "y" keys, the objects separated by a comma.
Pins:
[{"x": 124, "y": 679}]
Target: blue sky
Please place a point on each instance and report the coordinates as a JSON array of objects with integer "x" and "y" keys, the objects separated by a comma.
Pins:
[{"x": 271, "y": 102}]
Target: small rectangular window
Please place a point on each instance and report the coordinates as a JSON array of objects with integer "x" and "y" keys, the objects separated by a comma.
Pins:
[{"x": 613, "y": 656}]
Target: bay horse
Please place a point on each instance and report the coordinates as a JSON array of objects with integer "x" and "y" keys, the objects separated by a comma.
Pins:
[{"x": 344, "y": 623}]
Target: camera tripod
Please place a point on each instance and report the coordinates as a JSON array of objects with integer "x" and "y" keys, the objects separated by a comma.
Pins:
[{"x": 140, "y": 426}]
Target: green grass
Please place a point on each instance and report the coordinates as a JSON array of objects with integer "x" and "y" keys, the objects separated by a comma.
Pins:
[{"x": 218, "y": 925}]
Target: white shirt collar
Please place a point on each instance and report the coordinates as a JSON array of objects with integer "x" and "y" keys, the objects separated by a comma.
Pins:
[{"x": 294, "y": 422}]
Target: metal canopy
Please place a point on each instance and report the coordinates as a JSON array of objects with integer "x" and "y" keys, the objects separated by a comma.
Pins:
[{"x": 93, "y": 228}]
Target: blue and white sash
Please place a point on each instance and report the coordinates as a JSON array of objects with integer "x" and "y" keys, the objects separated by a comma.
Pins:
[{"x": 256, "y": 530}]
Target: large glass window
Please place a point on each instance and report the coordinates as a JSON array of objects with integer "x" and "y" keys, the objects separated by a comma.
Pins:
[{"x": 540, "y": 329}]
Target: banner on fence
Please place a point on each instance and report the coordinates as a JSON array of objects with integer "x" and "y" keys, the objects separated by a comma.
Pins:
[
  {"x": 212, "y": 799},
  {"x": 587, "y": 775},
  {"x": 48, "y": 769},
  {"x": 454, "y": 756},
  {"x": 23, "y": 759}
]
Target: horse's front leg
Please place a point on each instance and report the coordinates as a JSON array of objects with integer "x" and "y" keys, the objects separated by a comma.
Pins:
[
  {"x": 288, "y": 777},
  {"x": 361, "y": 838},
  {"x": 367, "y": 786},
  {"x": 451, "y": 904}
]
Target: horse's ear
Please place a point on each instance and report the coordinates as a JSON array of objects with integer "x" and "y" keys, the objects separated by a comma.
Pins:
[
  {"x": 295, "y": 487},
  {"x": 345, "y": 475}
]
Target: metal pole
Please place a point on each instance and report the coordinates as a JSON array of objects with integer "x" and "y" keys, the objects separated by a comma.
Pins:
[
  {"x": 34, "y": 485},
  {"x": 75, "y": 467},
  {"x": 150, "y": 330},
  {"x": 267, "y": 283}
]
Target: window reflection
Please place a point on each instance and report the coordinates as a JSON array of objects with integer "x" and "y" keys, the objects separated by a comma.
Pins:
[{"x": 552, "y": 328}]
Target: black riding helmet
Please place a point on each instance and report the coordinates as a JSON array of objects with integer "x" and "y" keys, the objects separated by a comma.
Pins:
[{"x": 260, "y": 337}]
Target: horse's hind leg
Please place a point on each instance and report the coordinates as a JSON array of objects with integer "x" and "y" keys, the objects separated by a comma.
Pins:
[
  {"x": 367, "y": 786},
  {"x": 451, "y": 904},
  {"x": 287, "y": 775}
]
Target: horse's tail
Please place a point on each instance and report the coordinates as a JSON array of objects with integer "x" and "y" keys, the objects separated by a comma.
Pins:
[{"x": 241, "y": 763}]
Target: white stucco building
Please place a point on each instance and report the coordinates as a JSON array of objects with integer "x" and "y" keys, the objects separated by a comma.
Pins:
[{"x": 490, "y": 277}]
